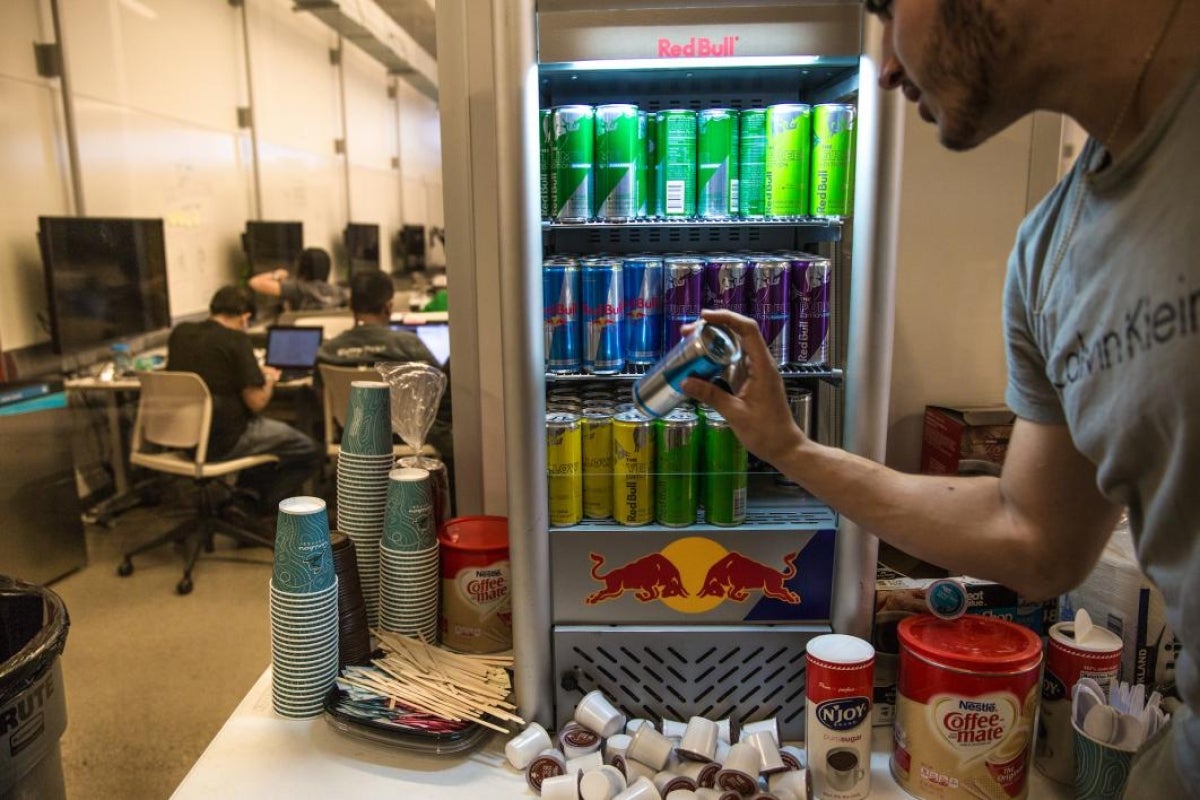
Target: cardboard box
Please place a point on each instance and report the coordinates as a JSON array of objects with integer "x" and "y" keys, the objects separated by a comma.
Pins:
[
  {"x": 898, "y": 596},
  {"x": 965, "y": 439}
]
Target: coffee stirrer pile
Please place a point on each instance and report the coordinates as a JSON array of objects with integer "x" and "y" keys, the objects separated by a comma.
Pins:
[{"x": 452, "y": 686}]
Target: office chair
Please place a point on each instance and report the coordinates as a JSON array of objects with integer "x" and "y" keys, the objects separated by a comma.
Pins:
[
  {"x": 335, "y": 398},
  {"x": 170, "y": 435}
]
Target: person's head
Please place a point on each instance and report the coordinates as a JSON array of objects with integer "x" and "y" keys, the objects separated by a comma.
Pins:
[
  {"x": 371, "y": 293},
  {"x": 955, "y": 60},
  {"x": 314, "y": 265},
  {"x": 232, "y": 306}
]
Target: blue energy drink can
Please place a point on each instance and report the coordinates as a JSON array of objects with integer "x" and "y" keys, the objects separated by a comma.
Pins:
[
  {"x": 708, "y": 352},
  {"x": 561, "y": 315},
  {"x": 643, "y": 283},
  {"x": 603, "y": 315}
]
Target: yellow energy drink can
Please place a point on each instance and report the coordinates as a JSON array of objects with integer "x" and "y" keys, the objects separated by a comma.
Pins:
[
  {"x": 633, "y": 468},
  {"x": 564, "y": 468},
  {"x": 597, "y": 425}
]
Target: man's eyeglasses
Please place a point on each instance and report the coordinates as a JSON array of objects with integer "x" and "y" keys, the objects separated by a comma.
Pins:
[{"x": 882, "y": 8}]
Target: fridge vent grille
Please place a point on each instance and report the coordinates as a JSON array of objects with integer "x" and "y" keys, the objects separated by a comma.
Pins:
[{"x": 677, "y": 673}]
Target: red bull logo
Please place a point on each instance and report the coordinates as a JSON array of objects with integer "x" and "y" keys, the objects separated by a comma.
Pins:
[
  {"x": 698, "y": 47},
  {"x": 693, "y": 576}
]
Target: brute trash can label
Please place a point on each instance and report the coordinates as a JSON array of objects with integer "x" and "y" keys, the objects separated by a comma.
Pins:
[{"x": 31, "y": 724}]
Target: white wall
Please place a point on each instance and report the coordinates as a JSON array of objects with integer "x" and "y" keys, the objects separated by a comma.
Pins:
[
  {"x": 156, "y": 87},
  {"x": 959, "y": 218}
]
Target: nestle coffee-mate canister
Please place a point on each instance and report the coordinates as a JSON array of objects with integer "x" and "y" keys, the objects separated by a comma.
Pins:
[
  {"x": 967, "y": 704},
  {"x": 476, "y": 609}
]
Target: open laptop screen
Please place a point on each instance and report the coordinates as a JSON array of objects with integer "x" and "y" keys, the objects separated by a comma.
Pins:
[
  {"x": 434, "y": 335},
  {"x": 293, "y": 347}
]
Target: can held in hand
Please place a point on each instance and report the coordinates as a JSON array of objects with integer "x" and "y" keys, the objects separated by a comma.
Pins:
[
  {"x": 546, "y": 159},
  {"x": 616, "y": 162},
  {"x": 643, "y": 282},
  {"x": 752, "y": 163},
  {"x": 832, "y": 137},
  {"x": 603, "y": 292},
  {"x": 633, "y": 468},
  {"x": 561, "y": 316},
  {"x": 675, "y": 150},
  {"x": 573, "y": 156},
  {"x": 811, "y": 283},
  {"x": 769, "y": 296},
  {"x": 677, "y": 450},
  {"x": 725, "y": 472},
  {"x": 564, "y": 468},
  {"x": 683, "y": 295},
  {"x": 706, "y": 353},
  {"x": 841, "y": 671},
  {"x": 726, "y": 283},
  {"x": 597, "y": 426},
  {"x": 789, "y": 132},
  {"x": 716, "y": 162}
]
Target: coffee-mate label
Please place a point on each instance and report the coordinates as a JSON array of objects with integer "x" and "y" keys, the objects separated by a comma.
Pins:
[
  {"x": 839, "y": 685},
  {"x": 477, "y": 609}
]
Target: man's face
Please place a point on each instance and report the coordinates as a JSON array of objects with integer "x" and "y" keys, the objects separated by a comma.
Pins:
[{"x": 944, "y": 55}]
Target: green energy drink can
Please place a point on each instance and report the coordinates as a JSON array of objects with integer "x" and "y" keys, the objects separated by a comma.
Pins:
[
  {"x": 573, "y": 148},
  {"x": 675, "y": 179},
  {"x": 633, "y": 468},
  {"x": 564, "y": 468},
  {"x": 545, "y": 151},
  {"x": 789, "y": 133},
  {"x": 597, "y": 462},
  {"x": 832, "y": 146},
  {"x": 616, "y": 162},
  {"x": 716, "y": 161},
  {"x": 725, "y": 476},
  {"x": 651, "y": 162},
  {"x": 643, "y": 166},
  {"x": 752, "y": 163},
  {"x": 677, "y": 449}
]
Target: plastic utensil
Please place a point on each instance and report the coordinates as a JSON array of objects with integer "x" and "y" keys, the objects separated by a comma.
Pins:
[
  {"x": 1082, "y": 703},
  {"x": 1083, "y": 626},
  {"x": 1101, "y": 724},
  {"x": 1137, "y": 700},
  {"x": 1130, "y": 733}
]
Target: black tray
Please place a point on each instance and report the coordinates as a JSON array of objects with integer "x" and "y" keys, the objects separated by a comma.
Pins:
[{"x": 417, "y": 741}]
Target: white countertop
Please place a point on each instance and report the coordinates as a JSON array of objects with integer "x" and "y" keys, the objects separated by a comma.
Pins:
[{"x": 258, "y": 754}]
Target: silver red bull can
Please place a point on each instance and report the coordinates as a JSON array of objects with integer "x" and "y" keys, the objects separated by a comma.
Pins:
[
  {"x": 810, "y": 308},
  {"x": 682, "y": 295},
  {"x": 726, "y": 283},
  {"x": 769, "y": 298},
  {"x": 707, "y": 353}
]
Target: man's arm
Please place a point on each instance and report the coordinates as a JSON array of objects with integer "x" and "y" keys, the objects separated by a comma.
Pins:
[
  {"x": 256, "y": 398},
  {"x": 269, "y": 283},
  {"x": 1039, "y": 528}
]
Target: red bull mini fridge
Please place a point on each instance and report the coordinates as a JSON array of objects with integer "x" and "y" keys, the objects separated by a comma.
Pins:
[{"x": 669, "y": 621}]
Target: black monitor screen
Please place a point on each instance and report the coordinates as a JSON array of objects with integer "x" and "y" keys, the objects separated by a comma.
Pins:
[
  {"x": 362, "y": 246},
  {"x": 270, "y": 245},
  {"x": 106, "y": 279}
]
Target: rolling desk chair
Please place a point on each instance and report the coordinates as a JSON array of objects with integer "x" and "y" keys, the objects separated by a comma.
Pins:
[{"x": 171, "y": 436}]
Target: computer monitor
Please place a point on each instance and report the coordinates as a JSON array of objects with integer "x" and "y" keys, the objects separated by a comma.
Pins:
[
  {"x": 362, "y": 246},
  {"x": 434, "y": 335},
  {"x": 106, "y": 279},
  {"x": 271, "y": 245}
]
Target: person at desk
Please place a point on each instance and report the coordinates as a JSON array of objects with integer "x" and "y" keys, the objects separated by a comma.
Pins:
[
  {"x": 372, "y": 340},
  {"x": 309, "y": 290},
  {"x": 219, "y": 351}
]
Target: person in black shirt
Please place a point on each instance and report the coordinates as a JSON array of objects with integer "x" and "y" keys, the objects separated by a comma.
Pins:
[
  {"x": 219, "y": 351},
  {"x": 310, "y": 289}
]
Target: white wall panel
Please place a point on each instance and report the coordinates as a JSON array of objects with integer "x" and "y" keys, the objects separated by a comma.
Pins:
[
  {"x": 23, "y": 25},
  {"x": 370, "y": 113},
  {"x": 374, "y": 198},
  {"x": 305, "y": 186},
  {"x": 34, "y": 180},
  {"x": 175, "y": 58},
  {"x": 959, "y": 217}
]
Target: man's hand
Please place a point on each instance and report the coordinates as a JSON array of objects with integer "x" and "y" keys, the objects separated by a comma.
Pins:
[
  {"x": 759, "y": 412},
  {"x": 271, "y": 374}
]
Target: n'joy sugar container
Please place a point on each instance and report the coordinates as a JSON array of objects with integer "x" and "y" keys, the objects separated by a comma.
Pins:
[{"x": 967, "y": 703}]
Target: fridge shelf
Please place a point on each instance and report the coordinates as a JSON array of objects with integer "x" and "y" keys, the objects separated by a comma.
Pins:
[
  {"x": 663, "y": 236},
  {"x": 823, "y": 372},
  {"x": 792, "y": 222}
]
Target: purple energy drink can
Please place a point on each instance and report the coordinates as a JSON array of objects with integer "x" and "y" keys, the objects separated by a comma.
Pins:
[
  {"x": 643, "y": 281},
  {"x": 770, "y": 296},
  {"x": 603, "y": 316},
  {"x": 682, "y": 295},
  {"x": 560, "y": 310},
  {"x": 725, "y": 283},
  {"x": 811, "y": 277}
]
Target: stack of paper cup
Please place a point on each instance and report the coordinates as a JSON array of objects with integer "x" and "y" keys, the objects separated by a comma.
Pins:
[
  {"x": 362, "y": 481},
  {"x": 408, "y": 557},
  {"x": 304, "y": 609}
]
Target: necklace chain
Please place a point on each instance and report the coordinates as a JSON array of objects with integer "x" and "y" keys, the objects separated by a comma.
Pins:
[{"x": 1077, "y": 211}]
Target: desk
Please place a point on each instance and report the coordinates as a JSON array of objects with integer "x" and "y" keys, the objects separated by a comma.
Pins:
[{"x": 260, "y": 754}]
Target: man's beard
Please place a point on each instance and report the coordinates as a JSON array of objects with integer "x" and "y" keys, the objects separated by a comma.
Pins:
[{"x": 964, "y": 52}]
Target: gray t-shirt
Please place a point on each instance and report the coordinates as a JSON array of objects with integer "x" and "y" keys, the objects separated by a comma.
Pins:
[{"x": 1108, "y": 341}]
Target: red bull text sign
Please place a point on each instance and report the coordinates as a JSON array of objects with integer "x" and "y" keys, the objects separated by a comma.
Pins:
[{"x": 698, "y": 47}]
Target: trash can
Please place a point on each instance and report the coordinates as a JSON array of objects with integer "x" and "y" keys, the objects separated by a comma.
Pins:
[{"x": 33, "y": 707}]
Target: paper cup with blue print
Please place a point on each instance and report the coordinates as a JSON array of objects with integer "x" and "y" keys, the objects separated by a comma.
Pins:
[
  {"x": 1101, "y": 770},
  {"x": 368, "y": 419},
  {"x": 409, "y": 522},
  {"x": 303, "y": 556}
]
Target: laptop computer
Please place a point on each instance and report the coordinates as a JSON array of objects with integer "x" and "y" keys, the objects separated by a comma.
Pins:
[
  {"x": 435, "y": 336},
  {"x": 292, "y": 349}
]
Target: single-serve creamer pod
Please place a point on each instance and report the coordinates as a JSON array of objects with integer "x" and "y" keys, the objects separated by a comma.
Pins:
[
  {"x": 769, "y": 758},
  {"x": 616, "y": 745},
  {"x": 699, "y": 742},
  {"x": 585, "y": 762},
  {"x": 740, "y": 771},
  {"x": 650, "y": 748},
  {"x": 771, "y": 726},
  {"x": 601, "y": 783},
  {"x": 673, "y": 728},
  {"x": 561, "y": 787},
  {"x": 547, "y": 764},
  {"x": 641, "y": 789},
  {"x": 596, "y": 713},
  {"x": 525, "y": 746}
]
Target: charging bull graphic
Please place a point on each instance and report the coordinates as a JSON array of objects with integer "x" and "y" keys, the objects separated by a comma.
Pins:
[
  {"x": 693, "y": 576},
  {"x": 735, "y": 576}
]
